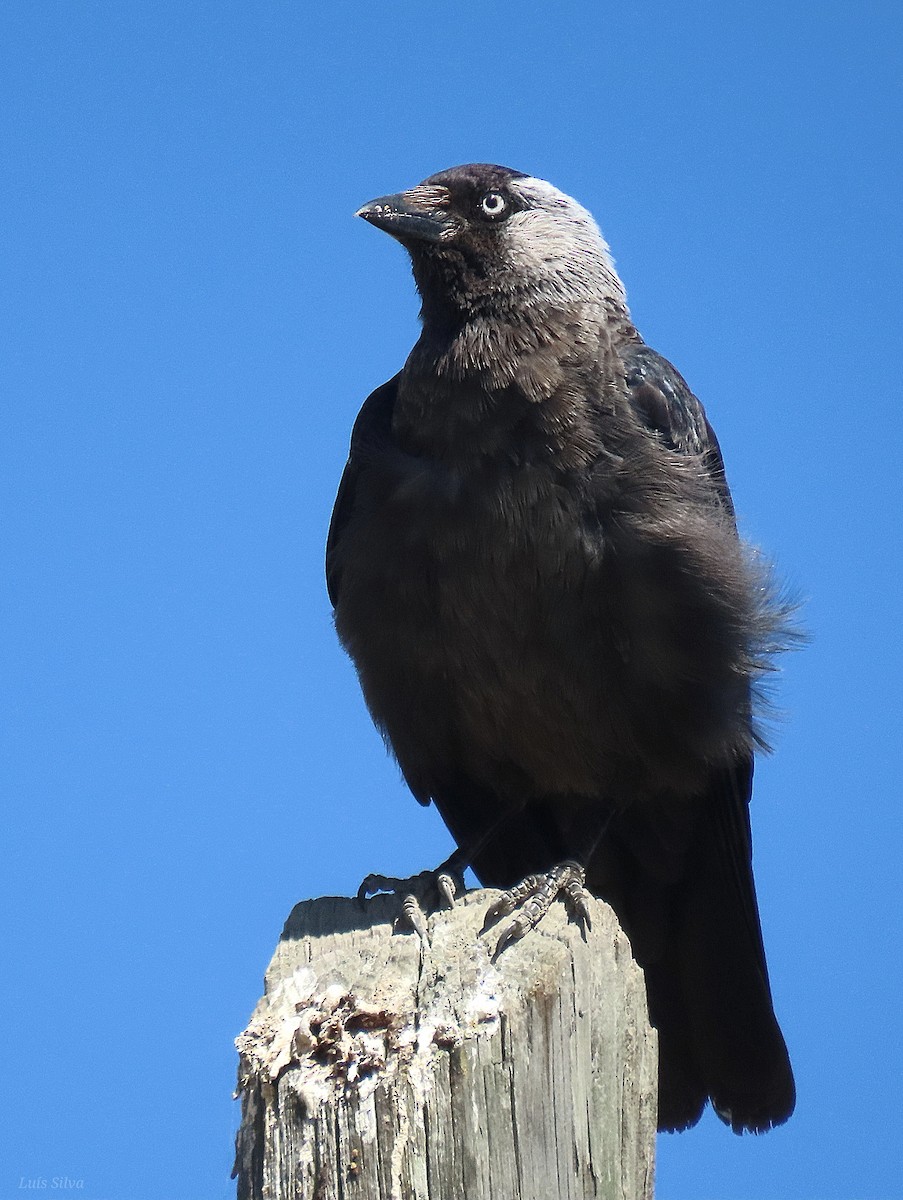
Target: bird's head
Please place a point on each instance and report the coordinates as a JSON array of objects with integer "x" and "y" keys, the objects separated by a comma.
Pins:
[{"x": 488, "y": 241}]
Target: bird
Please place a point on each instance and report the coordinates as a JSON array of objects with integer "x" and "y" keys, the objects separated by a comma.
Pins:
[{"x": 534, "y": 565}]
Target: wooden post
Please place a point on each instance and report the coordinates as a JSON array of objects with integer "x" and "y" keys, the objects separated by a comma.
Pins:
[{"x": 379, "y": 1068}]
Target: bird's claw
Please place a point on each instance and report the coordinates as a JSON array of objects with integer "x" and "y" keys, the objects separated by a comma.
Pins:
[
  {"x": 512, "y": 899},
  {"x": 426, "y": 891},
  {"x": 533, "y": 897},
  {"x": 576, "y": 897},
  {"x": 379, "y": 883},
  {"x": 447, "y": 885},
  {"x": 415, "y": 917}
]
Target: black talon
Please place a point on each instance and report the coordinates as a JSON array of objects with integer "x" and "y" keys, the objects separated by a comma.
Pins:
[
  {"x": 413, "y": 914},
  {"x": 447, "y": 886},
  {"x": 428, "y": 888},
  {"x": 532, "y": 898},
  {"x": 510, "y": 934}
]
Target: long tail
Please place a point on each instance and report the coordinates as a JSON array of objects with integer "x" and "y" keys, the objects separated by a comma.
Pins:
[{"x": 706, "y": 977}]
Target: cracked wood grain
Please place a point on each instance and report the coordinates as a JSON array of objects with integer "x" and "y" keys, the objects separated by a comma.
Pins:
[{"x": 379, "y": 1068}]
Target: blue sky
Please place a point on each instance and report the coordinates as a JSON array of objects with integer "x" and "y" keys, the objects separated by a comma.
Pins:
[{"x": 191, "y": 319}]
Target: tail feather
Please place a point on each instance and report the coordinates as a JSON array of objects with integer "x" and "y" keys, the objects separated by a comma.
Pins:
[
  {"x": 718, "y": 949},
  {"x": 688, "y": 904}
]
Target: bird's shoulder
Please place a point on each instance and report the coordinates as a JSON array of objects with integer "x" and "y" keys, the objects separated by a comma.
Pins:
[
  {"x": 662, "y": 401},
  {"x": 372, "y": 431},
  {"x": 373, "y": 424}
]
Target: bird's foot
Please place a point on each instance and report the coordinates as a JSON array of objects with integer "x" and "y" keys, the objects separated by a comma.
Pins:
[
  {"x": 532, "y": 898},
  {"x": 422, "y": 893}
]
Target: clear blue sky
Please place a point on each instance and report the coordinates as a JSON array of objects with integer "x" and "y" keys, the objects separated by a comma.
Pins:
[{"x": 190, "y": 321}]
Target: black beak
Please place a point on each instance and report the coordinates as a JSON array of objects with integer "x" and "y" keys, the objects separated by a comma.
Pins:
[{"x": 418, "y": 215}]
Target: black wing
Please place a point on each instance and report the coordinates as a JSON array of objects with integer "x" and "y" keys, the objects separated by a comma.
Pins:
[
  {"x": 718, "y": 1038},
  {"x": 372, "y": 429},
  {"x": 665, "y": 404}
]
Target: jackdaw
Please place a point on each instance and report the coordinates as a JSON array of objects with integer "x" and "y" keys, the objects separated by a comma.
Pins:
[{"x": 535, "y": 568}]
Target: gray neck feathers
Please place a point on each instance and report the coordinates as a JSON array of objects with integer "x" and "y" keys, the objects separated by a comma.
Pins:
[{"x": 541, "y": 306}]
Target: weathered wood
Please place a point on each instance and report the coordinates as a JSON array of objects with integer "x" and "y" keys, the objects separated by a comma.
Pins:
[{"x": 376, "y": 1068}]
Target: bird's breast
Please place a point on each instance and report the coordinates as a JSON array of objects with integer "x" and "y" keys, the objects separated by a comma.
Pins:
[{"x": 467, "y": 607}]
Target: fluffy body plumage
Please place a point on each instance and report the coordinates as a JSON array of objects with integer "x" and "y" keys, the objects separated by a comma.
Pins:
[{"x": 535, "y": 568}]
